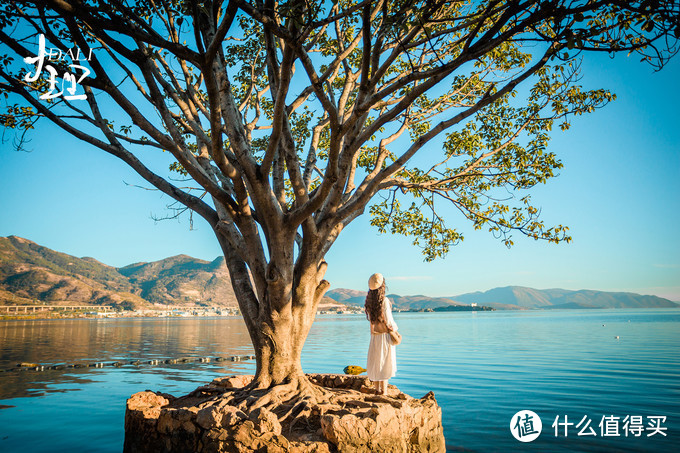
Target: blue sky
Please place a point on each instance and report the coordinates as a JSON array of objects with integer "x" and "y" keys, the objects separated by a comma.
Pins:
[{"x": 619, "y": 193}]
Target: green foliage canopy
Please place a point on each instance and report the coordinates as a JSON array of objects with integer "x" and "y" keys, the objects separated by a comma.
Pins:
[{"x": 303, "y": 111}]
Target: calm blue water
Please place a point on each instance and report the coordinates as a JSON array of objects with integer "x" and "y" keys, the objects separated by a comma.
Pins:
[{"x": 483, "y": 367}]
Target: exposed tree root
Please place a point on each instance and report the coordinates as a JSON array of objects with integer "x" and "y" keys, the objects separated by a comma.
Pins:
[
  {"x": 297, "y": 404},
  {"x": 317, "y": 413},
  {"x": 285, "y": 400}
]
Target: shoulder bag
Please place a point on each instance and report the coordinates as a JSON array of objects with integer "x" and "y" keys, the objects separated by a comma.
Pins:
[{"x": 395, "y": 337}]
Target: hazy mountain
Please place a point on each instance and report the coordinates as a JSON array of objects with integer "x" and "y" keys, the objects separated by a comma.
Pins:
[
  {"x": 347, "y": 296},
  {"x": 516, "y": 298},
  {"x": 524, "y": 298},
  {"x": 418, "y": 302},
  {"x": 357, "y": 298}
]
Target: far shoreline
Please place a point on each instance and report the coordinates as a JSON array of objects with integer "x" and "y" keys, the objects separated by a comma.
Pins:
[{"x": 162, "y": 314}]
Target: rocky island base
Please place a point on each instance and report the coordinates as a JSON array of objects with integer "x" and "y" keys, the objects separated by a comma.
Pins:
[{"x": 350, "y": 419}]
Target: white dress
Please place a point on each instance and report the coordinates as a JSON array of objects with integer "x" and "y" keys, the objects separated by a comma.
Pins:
[{"x": 382, "y": 358}]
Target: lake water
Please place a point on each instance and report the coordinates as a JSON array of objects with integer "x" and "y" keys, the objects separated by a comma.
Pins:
[{"x": 483, "y": 367}]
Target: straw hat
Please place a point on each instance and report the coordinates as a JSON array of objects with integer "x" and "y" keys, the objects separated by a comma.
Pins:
[{"x": 375, "y": 281}]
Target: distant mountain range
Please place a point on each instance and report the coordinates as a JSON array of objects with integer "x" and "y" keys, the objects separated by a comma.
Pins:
[
  {"x": 357, "y": 298},
  {"x": 516, "y": 298},
  {"x": 30, "y": 272}
]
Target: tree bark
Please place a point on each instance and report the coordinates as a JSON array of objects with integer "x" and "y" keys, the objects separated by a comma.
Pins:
[
  {"x": 282, "y": 328},
  {"x": 278, "y": 313}
]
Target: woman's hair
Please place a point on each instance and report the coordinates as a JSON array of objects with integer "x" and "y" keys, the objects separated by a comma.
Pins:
[{"x": 374, "y": 304}]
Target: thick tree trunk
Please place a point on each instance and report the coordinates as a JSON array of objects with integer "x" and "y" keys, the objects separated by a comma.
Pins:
[
  {"x": 278, "y": 316},
  {"x": 277, "y": 350},
  {"x": 281, "y": 334}
]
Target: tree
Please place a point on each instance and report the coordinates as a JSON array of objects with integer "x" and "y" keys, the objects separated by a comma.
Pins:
[{"x": 289, "y": 117}]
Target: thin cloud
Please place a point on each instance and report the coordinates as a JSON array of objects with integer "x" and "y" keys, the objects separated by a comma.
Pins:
[{"x": 411, "y": 278}]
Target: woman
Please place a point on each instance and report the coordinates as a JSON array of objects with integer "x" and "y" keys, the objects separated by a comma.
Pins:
[{"x": 382, "y": 359}]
